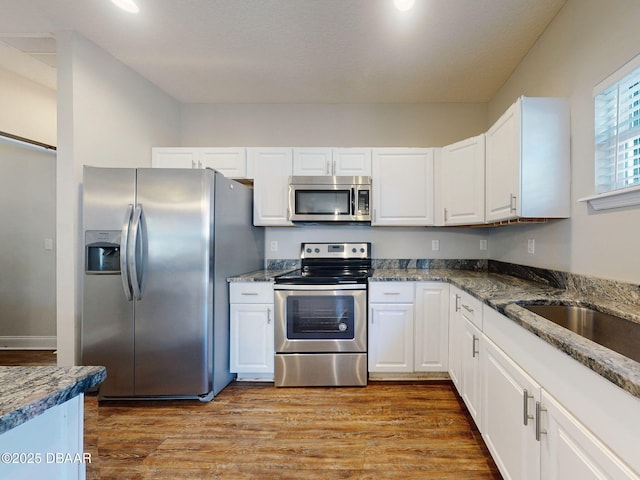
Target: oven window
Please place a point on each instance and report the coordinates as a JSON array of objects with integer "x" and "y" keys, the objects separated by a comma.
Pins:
[
  {"x": 319, "y": 317},
  {"x": 323, "y": 202}
]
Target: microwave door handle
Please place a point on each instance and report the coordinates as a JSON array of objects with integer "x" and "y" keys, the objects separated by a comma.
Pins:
[{"x": 353, "y": 202}]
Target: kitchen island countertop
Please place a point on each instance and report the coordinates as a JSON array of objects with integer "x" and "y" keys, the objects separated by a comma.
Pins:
[{"x": 27, "y": 392}]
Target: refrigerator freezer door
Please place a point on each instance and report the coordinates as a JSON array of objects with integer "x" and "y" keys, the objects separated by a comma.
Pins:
[
  {"x": 174, "y": 313},
  {"x": 107, "y": 317}
]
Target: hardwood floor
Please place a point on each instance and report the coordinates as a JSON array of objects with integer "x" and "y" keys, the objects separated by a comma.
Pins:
[
  {"x": 395, "y": 431},
  {"x": 27, "y": 357},
  {"x": 398, "y": 430}
]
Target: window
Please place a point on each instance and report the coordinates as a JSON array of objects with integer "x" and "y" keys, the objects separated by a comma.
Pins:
[{"x": 617, "y": 134}]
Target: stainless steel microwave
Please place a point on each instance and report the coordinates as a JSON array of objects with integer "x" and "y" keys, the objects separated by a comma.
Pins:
[{"x": 329, "y": 199}]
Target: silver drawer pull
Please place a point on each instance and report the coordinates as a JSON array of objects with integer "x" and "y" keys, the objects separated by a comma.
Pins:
[
  {"x": 525, "y": 406},
  {"x": 249, "y": 293},
  {"x": 392, "y": 293},
  {"x": 467, "y": 308},
  {"x": 539, "y": 431}
]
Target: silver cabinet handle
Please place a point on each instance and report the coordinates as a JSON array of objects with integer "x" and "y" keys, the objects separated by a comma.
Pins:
[
  {"x": 249, "y": 293},
  {"x": 525, "y": 406},
  {"x": 457, "y": 302},
  {"x": 512, "y": 203},
  {"x": 539, "y": 431},
  {"x": 467, "y": 308},
  {"x": 328, "y": 167},
  {"x": 445, "y": 214},
  {"x": 391, "y": 293},
  {"x": 268, "y": 316},
  {"x": 473, "y": 346}
]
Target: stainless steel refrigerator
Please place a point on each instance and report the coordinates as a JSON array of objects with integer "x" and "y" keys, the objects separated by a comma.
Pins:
[{"x": 159, "y": 245}]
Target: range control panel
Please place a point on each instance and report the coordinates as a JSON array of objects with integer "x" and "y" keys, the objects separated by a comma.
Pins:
[{"x": 336, "y": 250}]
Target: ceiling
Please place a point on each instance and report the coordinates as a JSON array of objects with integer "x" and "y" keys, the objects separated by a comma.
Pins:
[{"x": 290, "y": 51}]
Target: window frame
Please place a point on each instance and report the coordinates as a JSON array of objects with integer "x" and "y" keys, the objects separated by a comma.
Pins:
[{"x": 613, "y": 196}]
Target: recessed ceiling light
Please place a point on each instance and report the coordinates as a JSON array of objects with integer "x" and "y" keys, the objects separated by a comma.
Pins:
[
  {"x": 404, "y": 5},
  {"x": 127, "y": 5}
]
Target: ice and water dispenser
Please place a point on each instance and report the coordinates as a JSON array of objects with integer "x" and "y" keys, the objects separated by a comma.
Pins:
[{"x": 102, "y": 251}]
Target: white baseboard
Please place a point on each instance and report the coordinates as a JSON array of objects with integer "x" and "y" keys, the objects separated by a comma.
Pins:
[{"x": 28, "y": 343}]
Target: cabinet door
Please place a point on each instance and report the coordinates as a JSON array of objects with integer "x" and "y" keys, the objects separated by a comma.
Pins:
[
  {"x": 402, "y": 186},
  {"x": 352, "y": 162},
  {"x": 312, "y": 161},
  {"x": 431, "y": 327},
  {"x": 470, "y": 371},
  {"x": 455, "y": 338},
  {"x": 174, "y": 157},
  {"x": 251, "y": 334},
  {"x": 569, "y": 450},
  {"x": 503, "y": 166},
  {"x": 231, "y": 162},
  {"x": 390, "y": 337},
  {"x": 508, "y": 409},
  {"x": 272, "y": 168},
  {"x": 463, "y": 182}
]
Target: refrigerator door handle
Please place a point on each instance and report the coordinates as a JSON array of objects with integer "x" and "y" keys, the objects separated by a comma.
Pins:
[
  {"x": 124, "y": 253},
  {"x": 136, "y": 283}
]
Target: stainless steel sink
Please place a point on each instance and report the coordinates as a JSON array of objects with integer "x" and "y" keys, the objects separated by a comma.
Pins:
[{"x": 618, "y": 334}]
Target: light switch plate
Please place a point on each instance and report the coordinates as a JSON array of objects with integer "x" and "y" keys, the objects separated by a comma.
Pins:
[
  {"x": 435, "y": 244},
  {"x": 531, "y": 246},
  {"x": 483, "y": 244}
]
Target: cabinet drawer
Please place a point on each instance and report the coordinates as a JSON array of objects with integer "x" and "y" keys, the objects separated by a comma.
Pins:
[
  {"x": 471, "y": 308},
  {"x": 391, "y": 292},
  {"x": 251, "y": 292}
]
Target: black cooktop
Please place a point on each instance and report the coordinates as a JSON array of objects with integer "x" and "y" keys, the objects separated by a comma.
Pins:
[{"x": 331, "y": 264}]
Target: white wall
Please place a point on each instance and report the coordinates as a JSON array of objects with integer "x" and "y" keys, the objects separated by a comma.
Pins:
[
  {"x": 586, "y": 42},
  {"x": 393, "y": 242},
  {"x": 27, "y": 269},
  {"x": 27, "y": 109},
  {"x": 108, "y": 115},
  {"x": 27, "y": 215},
  {"x": 331, "y": 125}
]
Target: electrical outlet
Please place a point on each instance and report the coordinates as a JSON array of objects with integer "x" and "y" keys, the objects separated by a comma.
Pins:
[
  {"x": 48, "y": 244},
  {"x": 483, "y": 244},
  {"x": 435, "y": 244},
  {"x": 531, "y": 246},
  {"x": 274, "y": 245}
]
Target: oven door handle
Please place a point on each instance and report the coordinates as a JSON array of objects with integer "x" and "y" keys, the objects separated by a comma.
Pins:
[{"x": 315, "y": 288}]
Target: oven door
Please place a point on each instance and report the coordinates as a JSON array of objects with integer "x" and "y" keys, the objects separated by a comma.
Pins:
[{"x": 320, "y": 318}]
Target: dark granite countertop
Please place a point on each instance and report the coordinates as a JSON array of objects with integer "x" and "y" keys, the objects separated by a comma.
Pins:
[
  {"x": 505, "y": 293},
  {"x": 26, "y": 392}
]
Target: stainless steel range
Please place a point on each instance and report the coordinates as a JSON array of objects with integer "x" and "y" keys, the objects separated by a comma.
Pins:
[{"x": 321, "y": 317}]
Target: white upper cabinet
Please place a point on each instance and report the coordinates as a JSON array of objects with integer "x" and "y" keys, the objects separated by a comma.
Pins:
[
  {"x": 353, "y": 162},
  {"x": 174, "y": 157},
  {"x": 402, "y": 186},
  {"x": 312, "y": 161},
  {"x": 528, "y": 161},
  {"x": 272, "y": 168},
  {"x": 463, "y": 182},
  {"x": 231, "y": 162},
  {"x": 332, "y": 161}
]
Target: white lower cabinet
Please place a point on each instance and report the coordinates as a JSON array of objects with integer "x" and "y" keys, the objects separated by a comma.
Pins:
[
  {"x": 465, "y": 319},
  {"x": 509, "y": 400},
  {"x": 570, "y": 450},
  {"x": 390, "y": 337},
  {"x": 530, "y": 433},
  {"x": 408, "y": 327},
  {"x": 251, "y": 330},
  {"x": 431, "y": 328}
]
